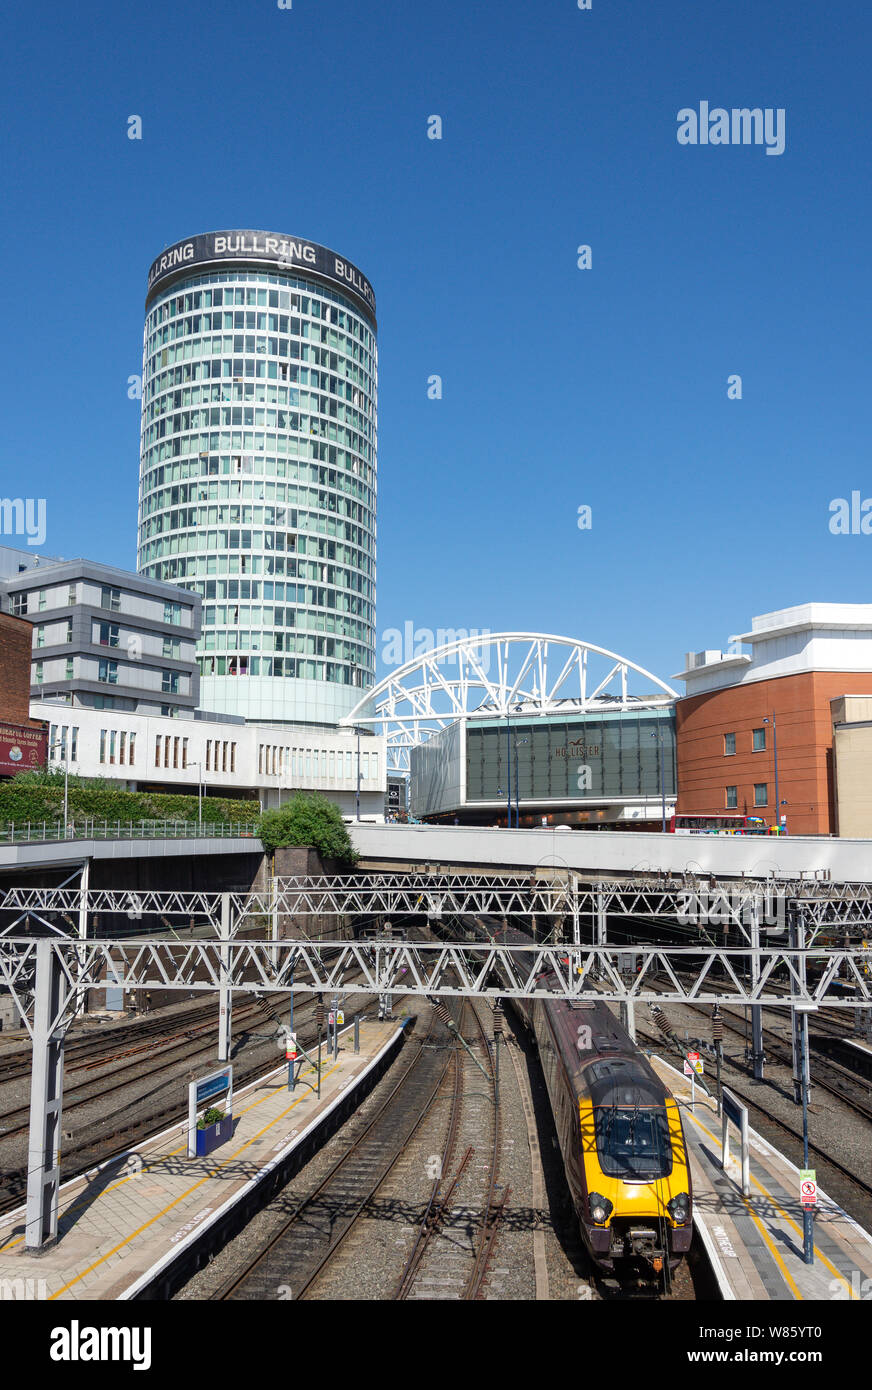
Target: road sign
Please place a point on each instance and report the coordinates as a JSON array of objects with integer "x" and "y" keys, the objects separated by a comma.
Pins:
[{"x": 808, "y": 1187}]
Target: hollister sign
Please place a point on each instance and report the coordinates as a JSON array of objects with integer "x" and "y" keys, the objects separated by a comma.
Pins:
[{"x": 578, "y": 749}]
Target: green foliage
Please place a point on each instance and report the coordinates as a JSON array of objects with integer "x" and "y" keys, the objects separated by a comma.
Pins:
[
  {"x": 308, "y": 819},
  {"x": 39, "y": 796},
  {"x": 211, "y": 1117}
]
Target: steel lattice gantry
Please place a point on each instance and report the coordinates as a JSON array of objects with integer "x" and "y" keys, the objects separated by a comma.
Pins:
[
  {"x": 688, "y": 901},
  {"x": 48, "y": 976}
]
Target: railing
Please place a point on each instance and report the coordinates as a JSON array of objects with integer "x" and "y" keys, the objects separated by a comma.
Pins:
[{"x": 28, "y": 832}]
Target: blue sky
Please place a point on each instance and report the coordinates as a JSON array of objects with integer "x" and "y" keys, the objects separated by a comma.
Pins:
[{"x": 562, "y": 387}]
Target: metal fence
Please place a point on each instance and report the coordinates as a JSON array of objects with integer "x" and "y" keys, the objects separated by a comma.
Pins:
[{"x": 28, "y": 832}]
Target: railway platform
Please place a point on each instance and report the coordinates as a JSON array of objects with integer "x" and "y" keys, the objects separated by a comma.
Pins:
[
  {"x": 134, "y": 1226},
  {"x": 754, "y": 1243}
]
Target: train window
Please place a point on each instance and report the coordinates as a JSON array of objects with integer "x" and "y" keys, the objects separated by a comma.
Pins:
[{"x": 633, "y": 1142}]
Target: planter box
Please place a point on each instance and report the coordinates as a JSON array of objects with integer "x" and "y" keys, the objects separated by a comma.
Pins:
[{"x": 213, "y": 1136}]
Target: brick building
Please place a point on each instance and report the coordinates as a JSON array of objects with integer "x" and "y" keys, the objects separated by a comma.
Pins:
[
  {"x": 742, "y": 707},
  {"x": 22, "y": 739}
]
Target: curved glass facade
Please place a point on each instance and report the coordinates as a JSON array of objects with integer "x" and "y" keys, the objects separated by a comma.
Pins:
[{"x": 258, "y": 476}]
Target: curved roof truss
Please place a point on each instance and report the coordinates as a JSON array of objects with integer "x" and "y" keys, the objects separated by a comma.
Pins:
[{"x": 492, "y": 675}]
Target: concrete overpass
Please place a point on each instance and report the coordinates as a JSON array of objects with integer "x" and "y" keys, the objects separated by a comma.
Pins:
[
  {"x": 38, "y": 854},
  {"x": 611, "y": 853}
]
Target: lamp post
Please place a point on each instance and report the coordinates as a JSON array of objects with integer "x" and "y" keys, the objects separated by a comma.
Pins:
[
  {"x": 356, "y": 672},
  {"x": 62, "y": 743},
  {"x": 508, "y": 769},
  {"x": 775, "y": 758},
  {"x": 658, "y": 734},
  {"x": 199, "y": 768}
]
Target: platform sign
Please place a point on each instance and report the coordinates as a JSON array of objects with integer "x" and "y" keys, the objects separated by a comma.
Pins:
[
  {"x": 213, "y": 1085},
  {"x": 330, "y": 1018},
  {"x": 808, "y": 1187},
  {"x": 693, "y": 1064},
  {"x": 291, "y": 1047},
  {"x": 340, "y": 1018},
  {"x": 216, "y": 1083}
]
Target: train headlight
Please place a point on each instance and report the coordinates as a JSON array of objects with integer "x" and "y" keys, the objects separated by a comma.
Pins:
[
  {"x": 679, "y": 1208},
  {"x": 600, "y": 1208}
]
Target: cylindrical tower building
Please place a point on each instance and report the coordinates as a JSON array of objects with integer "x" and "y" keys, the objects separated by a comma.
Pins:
[{"x": 258, "y": 467}]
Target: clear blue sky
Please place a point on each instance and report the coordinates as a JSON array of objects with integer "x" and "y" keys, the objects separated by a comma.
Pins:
[{"x": 562, "y": 387}]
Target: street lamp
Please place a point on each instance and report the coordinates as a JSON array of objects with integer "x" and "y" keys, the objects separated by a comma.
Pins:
[
  {"x": 508, "y": 767},
  {"x": 62, "y": 743},
  {"x": 356, "y": 673},
  {"x": 199, "y": 767},
  {"x": 659, "y": 737}
]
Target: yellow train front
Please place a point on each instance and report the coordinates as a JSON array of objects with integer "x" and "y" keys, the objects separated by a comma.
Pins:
[
  {"x": 618, "y": 1125},
  {"x": 620, "y": 1135}
]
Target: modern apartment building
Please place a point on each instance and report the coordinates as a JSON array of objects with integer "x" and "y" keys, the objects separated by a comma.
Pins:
[{"x": 104, "y": 638}]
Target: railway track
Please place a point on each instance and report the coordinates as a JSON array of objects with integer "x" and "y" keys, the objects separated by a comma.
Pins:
[
  {"x": 317, "y": 1225},
  {"x": 831, "y": 1076},
  {"x": 824, "y": 1159},
  {"x": 120, "y": 1041},
  {"x": 452, "y": 1248},
  {"x": 89, "y": 1153},
  {"x": 16, "y": 1120}
]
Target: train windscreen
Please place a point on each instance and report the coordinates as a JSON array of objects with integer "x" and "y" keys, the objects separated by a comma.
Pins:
[{"x": 633, "y": 1141}]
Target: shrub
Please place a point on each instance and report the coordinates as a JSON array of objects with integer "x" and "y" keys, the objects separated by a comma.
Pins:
[
  {"x": 211, "y": 1117},
  {"x": 308, "y": 819},
  {"x": 39, "y": 796}
]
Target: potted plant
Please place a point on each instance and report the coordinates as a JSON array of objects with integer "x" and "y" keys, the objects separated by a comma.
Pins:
[{"x": 213, "y": 1128}]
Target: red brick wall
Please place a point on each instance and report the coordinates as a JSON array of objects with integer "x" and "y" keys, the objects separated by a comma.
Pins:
[
  {"x": 801, "y": 706},
  {"x": 16, "y": 641}
]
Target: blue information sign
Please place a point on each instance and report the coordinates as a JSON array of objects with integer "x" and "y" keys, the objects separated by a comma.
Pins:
[{"x": 213, "y": 1085}]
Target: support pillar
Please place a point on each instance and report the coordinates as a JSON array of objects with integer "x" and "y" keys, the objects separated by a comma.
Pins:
[
  {"x": 628, "y": 1017},
  {"x": 576, "y": 920},
  {"x": 757, "y": 1054},
  {"x": 225, "y": 999},
  {"x": 274, "y": 918},
  {"x": 46, "y": 1094},
  {"x": 795, "y": 1018},
  {"x": 84, "y": 884},
  {"x": 600, "y": 924}
]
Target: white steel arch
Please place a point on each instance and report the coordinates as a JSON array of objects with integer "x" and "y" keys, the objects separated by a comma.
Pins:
[{"x": 536, "y": 674}]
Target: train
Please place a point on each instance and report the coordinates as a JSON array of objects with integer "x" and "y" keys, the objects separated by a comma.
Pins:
[{"x": 619, "y": 1128}]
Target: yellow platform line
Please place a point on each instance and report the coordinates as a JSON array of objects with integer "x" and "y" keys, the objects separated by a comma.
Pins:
[
  {"x": 148, "y": 1168},
  {"x": 181, "y": 1197},
  {"x": 131, "y": 1176},
  {"x": 819, "y": 1253}
]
